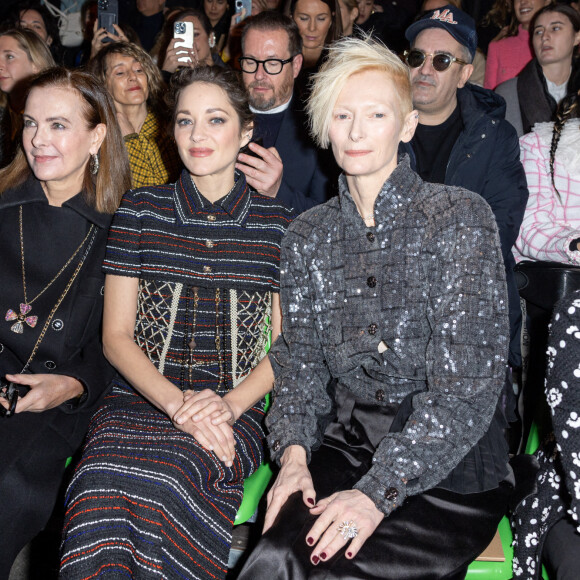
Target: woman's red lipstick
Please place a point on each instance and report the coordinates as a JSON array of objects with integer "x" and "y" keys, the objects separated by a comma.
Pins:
[{"x": 200, "y": 152}]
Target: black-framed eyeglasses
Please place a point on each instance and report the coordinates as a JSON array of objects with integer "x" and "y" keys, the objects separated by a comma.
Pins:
[
  {"x": 11, "y": 393},
  {"x": 272, "y": 66},
  {"x": 415, "y": 58}
]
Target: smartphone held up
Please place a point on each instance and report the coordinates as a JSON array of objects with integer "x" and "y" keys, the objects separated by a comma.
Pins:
[
  {"x": 243, "y": 10},
  {"x": 108, "y": 15},
  {"x": 183, "y": 31}
]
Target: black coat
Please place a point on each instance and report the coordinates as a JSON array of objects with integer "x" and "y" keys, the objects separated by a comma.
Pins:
[
  {"x": 527, "y": 97},
  {"x": 486, "y": 159},
  {"x": 310, "y": 174},
  {"x": 34, "y": 446}
]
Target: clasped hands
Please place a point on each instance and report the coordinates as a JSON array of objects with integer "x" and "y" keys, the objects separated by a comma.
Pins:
[
  {"x": 343, "y": 506},
  {"x": 209, "y": 418}
]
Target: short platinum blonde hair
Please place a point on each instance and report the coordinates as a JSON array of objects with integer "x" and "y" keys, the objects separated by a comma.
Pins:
[{"x": 349, "y": 56}]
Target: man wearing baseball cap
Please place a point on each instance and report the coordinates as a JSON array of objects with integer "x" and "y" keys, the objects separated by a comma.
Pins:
[{"x": 462, "y": 138}]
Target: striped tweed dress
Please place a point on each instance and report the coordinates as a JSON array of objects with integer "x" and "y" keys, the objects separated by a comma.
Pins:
[{"x": 146, "y": 500}]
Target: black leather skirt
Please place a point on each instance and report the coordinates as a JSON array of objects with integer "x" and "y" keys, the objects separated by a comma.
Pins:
[{"x": 433, "y": 535}]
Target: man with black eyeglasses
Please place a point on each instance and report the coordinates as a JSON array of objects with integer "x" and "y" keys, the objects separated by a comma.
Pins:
[
  {"x": 282, "y": 160},
  {"x": 463, "y": 139}
]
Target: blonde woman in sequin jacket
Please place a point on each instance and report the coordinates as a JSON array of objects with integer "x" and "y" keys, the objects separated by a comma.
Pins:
[{"x": 385, "y": 419}]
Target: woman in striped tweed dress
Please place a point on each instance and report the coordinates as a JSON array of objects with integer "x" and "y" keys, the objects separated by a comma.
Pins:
[{"x": 196, "y": 265}]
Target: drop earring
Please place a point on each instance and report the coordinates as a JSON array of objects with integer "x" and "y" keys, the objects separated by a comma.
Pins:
[{"x": 94, "y": 164}]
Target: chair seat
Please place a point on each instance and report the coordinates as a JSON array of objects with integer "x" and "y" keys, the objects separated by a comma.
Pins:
[
  {"x": 496, "y": 560},
  {"x": 255, "y": 485}
]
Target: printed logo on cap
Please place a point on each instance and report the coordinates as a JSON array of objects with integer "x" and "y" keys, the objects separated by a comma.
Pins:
[{"x": 445, "y": 16}]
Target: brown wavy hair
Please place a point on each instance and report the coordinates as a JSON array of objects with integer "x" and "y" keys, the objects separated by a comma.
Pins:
[
  {"x": 155, "y": 84},
  {"x": 226, "y": 79},
  {"x": 103, "y": 192},
  {"x": 499, "y": 14}
]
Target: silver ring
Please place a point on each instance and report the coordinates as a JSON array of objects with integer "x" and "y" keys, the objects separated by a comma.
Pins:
[{"x": 348, "y": 530}]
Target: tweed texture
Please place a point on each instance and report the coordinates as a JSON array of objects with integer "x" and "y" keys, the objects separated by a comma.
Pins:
[
  {"x": 153, "y": 156},
  {"x": 146, "y": 500},
  {"x": 416, "y": 303}
]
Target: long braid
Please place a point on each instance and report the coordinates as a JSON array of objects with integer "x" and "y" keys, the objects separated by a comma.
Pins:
[{"x": 565, "y": 111}]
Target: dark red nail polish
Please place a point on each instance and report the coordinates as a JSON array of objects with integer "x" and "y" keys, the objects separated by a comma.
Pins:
[
  {"x": 315, "y": 560},
  {"x": 310, "y": 500},
  {"x": 349, "y": 554},
  {"x": 323, "y": 556},
  {"x": 310, "y": 541}
]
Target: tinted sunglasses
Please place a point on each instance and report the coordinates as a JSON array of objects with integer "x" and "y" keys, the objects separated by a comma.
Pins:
[{"x": 441, "y": 61}]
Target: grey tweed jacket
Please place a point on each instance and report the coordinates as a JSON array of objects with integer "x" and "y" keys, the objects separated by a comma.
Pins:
[{"x": 419, "y": 302}]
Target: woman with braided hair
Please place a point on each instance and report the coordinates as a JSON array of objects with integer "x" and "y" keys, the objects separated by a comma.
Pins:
[{"x": 550, "y": 155}]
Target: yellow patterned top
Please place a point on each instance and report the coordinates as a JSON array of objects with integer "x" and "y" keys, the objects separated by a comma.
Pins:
[{"x": 152, "y": 154}]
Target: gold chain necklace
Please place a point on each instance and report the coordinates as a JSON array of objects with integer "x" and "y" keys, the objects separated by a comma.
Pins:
[
  {"x": 22, "y": 316},
  {"x": 192, "y": 344},
  {"x": 61, "y": 298}
]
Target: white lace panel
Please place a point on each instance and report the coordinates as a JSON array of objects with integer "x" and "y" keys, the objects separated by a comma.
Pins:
[
  {"x": 157, "y": 305},
  {"x": 250, "y": 317}
]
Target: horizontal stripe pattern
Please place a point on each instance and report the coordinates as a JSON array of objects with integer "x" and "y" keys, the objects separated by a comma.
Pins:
[
  {"x": 172, "y": 233},
  {"x": 146, "y": 500}
]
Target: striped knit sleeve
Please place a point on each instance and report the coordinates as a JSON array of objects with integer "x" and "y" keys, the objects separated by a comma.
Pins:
[{"x": 122, "y": 257}]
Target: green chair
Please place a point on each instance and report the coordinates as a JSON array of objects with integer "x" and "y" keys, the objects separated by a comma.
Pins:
[
  {"x": 256, "y": 484},
  {"x": 479, "y": 570},
  {"x": 486, "y": 570},
  {"x": 254, "y": 487}
]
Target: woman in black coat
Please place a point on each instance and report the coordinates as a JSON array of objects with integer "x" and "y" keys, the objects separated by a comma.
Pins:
[{"x": 56, "y": 202}]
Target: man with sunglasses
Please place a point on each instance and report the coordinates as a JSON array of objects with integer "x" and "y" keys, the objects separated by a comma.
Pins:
[
  {"x": 462, "y": 138},
  {"x": 286, "y": 165}
]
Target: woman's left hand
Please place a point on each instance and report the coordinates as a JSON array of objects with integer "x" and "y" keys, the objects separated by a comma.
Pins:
[
  {"x": 199, "y": 405},
  {"x": 173, "y": 54},
  {"x": 344, "y": 506},
  {"x": 46, "y": 391}
]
